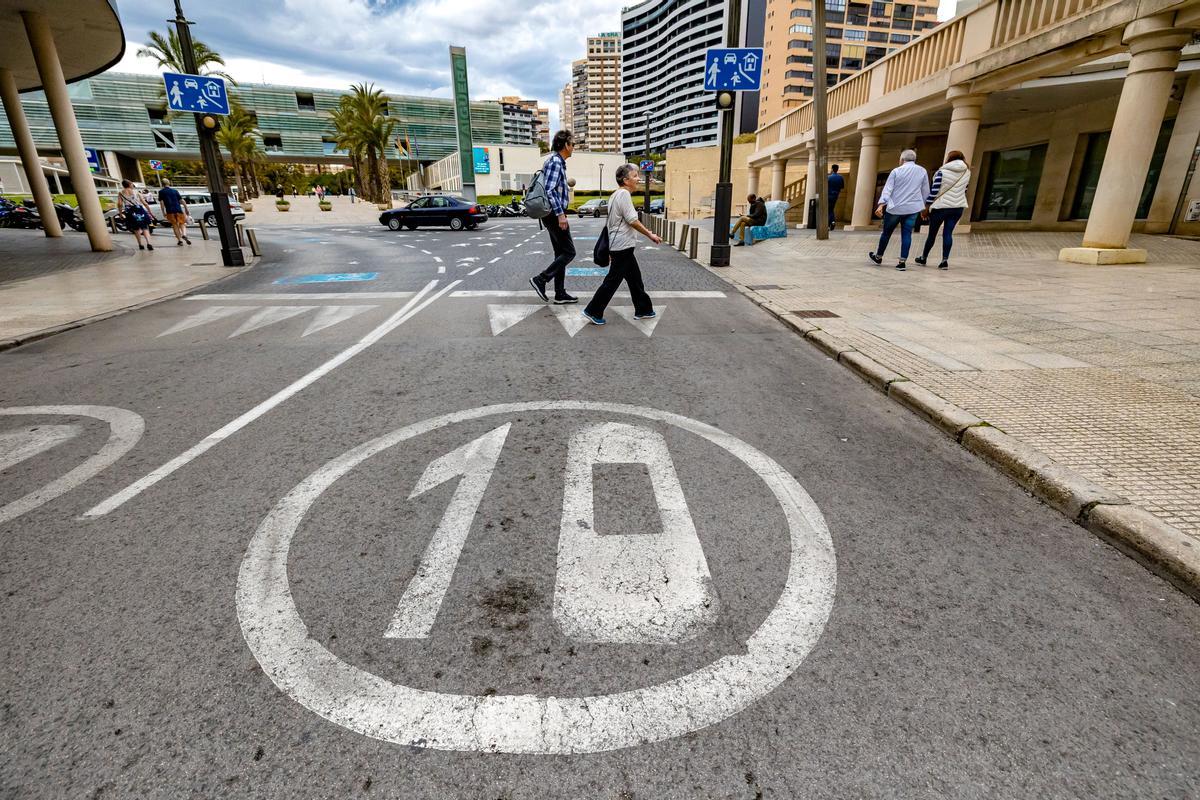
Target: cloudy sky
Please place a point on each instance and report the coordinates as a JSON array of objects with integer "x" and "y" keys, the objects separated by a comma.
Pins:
[{"x": 521, "y": 47}]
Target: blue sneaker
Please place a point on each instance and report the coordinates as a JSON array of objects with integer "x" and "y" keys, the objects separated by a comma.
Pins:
[
  {"x": 594, "y": 320},
  {"x": 651, "y": 315}
]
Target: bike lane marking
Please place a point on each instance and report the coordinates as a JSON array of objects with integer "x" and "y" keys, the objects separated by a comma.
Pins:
[{"x": 310, "y": 674}]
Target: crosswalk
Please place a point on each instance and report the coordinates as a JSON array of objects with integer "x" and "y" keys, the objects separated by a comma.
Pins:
[
  {"x": 258, "y": 317},
  {"x": 502, "y": 316}
]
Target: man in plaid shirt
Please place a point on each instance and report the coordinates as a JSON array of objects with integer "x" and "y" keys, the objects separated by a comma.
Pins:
[{"x": 554, "y": 173}]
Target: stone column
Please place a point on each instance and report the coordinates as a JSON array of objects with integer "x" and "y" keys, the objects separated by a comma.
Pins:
[
  {"x": 964, "y": 121},
  {"x": 778, "y": 177},
  {"x": 752, "y": 180},
  {"x": 1178, "y": 157},
  {"x": 1155, "y": 46},
  {"x": 864, "y": 181},
  {"x": 29, "y": 156},
  {"x": 45, "y": 54}
]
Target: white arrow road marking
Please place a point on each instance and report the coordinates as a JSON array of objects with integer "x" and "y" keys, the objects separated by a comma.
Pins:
[
  {"x": 17, "y": 446},
  {"x": 646, "y": 326},
  {"x": 505, "y": 316},
  {"x": 312, "y": 296},
  {"x": 210, "y": 314},
  {"x": 473, "y": 463},
  {"x": 329, "y": 316},
  {"x": 630, "y": 587},
  {"x": 572, "y": 320},
  {"x": 269, "y": 316},
  {"x": 410, "y": 310},
  {"x": 126, "y": 429}
]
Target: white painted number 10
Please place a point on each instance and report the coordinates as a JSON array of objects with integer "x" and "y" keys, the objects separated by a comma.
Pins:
[{"x": 610, "y": 587}]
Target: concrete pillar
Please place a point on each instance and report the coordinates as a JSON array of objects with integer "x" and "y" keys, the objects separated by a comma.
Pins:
[
  {"x": 752, "y": 180},
  {"x": 1178, "y": 157},
  {"x": 864, "y": 182},
  {"x": 29, "y": 156},
  {"x": 778, "y": 177},
  {"x": 45, "y": 54},
  {"x": 964, "y": 121},
  {"x": 1155, "y": 47}
]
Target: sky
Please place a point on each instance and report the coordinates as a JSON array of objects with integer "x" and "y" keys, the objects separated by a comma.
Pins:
[{"x": 514, "y": 47}]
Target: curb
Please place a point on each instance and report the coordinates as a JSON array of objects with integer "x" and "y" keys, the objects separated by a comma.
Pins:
[
  {"x": 1163, "y": 549},
  {"x": 45, "y": 333}
]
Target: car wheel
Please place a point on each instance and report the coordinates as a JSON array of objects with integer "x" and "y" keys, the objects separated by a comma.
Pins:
[
  {"x": 393, "y": 224},
  {"x": 457, "y": 224},
  {"x": 210, "y": 219}
]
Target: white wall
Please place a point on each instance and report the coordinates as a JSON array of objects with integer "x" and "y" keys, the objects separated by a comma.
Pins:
[{"x": 512, "y": 166}]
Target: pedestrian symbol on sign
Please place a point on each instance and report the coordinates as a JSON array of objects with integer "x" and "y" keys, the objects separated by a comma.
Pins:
[
  {"x": 737, "y": 69},
  {"x": 196, "y": 93}
]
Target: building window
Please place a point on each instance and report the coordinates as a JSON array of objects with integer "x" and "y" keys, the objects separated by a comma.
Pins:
[
  {"x": 272, "y": 142},
  {"x": 158, "y": 116},
  {"x": 1093, "y": 158},
  {"x": 305, "y": 102},
  {"x": 1012, "y": 183},
  {"x": 164, "y": 139},
  {"x": 800, "y": 29}
]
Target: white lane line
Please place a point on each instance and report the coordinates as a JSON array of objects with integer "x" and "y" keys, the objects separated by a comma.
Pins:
[
  {"x": 411, "y": 246},
  {"x": 126, "y": 429},
  {"x": 426, "y": 252},
  {"x": 526, "y": 292},
  {"x": 307, "y": 296},
  {"x": 476, "y": 271},
  {"x": 494, "y": 260},
  {"x": 509, "y": 250},
  {"x": 410, "y": 309}
]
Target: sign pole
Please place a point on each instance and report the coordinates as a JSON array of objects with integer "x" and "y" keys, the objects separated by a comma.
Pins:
[
  {"x": 206, "y": 125},
  {"x": 820, "y": 120},
  {"x": 723, "y": 200},
  {"x": 649, "y": 175}
]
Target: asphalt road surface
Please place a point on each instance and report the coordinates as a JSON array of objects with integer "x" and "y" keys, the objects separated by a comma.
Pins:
[{"x": 409, "y": 532}]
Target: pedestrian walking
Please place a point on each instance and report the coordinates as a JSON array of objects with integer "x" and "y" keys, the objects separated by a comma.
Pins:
[
  {"x": 137, "y": 214},
  {"x": 946, "y": 203},
  {"x": 175, "y": 209},
  {"x": 623, "y": 265},
  {"x": 756, "y": 215},
  {"x": 554, "y": 176},
  {"x": 903, "y": 199},
  {"x": 350, "y": 192},
  {"x": 835, "y": 183}
]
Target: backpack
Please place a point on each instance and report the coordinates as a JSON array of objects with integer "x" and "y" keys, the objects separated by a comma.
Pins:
[{"x": 537, "y": 202}]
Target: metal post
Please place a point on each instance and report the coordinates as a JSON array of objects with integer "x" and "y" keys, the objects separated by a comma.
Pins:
[
  {"x": 692, "y": 251},
  {"x": 820, "y": 120},
  {"x": 671, "y": 233},
  {"x": 683, "y": 237},
  {"x": 649, "y": 175},
  {"x": 723, "y": 195},
  {"x": 231, "y": 254},
  {"x": 204, "y": 230},
  {"x": 253, "y": 237},
  {"x": 240, "y": 237}
]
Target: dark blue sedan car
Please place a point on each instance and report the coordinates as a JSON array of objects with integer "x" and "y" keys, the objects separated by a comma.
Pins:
[{"x": 435, "y": 211}]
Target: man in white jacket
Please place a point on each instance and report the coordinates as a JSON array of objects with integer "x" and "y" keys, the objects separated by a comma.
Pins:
[
  {"x": 946, "y": 201},
  {"x": 902, "y": 200}
]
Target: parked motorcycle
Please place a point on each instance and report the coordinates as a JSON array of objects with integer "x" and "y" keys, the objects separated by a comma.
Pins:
[
  {"x": 68, "y": 215},
  {"x": 13, "y": 215}
]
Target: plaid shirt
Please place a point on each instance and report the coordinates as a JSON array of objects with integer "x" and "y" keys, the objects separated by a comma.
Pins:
[{"x": 554, "y": 172}]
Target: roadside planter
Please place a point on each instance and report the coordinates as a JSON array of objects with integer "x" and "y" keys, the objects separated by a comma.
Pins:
[
  {"x": 282, "y": 205},
  {"x": 385, "y": 206},
  {"x": 326, "y": 205},
  {"x": 247, "y": 206}
]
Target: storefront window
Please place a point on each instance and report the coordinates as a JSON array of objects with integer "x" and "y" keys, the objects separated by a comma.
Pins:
[
  {"x": 1093, "y": 160},
  {"x": 1012, "y": 184}
]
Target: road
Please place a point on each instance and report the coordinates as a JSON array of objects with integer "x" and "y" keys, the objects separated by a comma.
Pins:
[{"x": 408, "y": 532}]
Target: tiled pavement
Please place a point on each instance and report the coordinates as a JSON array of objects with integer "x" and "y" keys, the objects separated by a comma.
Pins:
[{"x": 1097, "y": 367}]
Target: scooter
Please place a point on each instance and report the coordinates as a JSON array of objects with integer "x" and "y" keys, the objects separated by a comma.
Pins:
[
  {"x": 68, "y": 215},
  {"x": 18, "y": 216}
]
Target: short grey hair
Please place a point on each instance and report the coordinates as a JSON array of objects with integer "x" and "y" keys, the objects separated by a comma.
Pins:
[
  {"x": 908, "y": 155},
  {"x": 623, "y": 172}
]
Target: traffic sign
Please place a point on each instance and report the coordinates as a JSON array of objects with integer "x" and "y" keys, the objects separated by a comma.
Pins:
[
  {"x": 733, "y": 69},
  {"x": 156, "y": 165},
  {"x": 647, "y": 165},
  {"x": 93, "y": 158},
  {"x": 200, "y": 94}
]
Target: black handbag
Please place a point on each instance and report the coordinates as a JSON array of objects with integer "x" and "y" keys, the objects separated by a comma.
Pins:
[{"x": 600, "y": 253}]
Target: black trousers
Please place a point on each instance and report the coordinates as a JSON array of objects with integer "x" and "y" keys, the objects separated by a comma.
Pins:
[
  {"x": 946, "y": 219},
  {"x": 622, "y": 267},
  {"x": 564, "y": 253}
]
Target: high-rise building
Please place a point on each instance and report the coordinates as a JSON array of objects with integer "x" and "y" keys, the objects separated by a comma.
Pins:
[
  {"x": 518, "y": 123},
  {"x": 596, "y": 95},
  {"x": 566, "y": 106},
  {"x": 662, "y": 72},
  {"x": 540, "y": 114},
  {"x": 856, "y": 34}
]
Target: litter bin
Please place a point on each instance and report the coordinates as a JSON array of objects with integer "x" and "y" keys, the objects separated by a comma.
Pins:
[{"x": 813, "y": 209}]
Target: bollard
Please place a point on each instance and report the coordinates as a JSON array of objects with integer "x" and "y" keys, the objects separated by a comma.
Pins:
[
  {"x": 671, "y": 233},
  {"x": 240, "y": 236},
  {"x": 203, "y": 231},
  {"x": 112, "y": 223},
  {"x": 683, "y": 237},
  {"x": 253, "y": 237},
  {"x": 695, "y": 244}
]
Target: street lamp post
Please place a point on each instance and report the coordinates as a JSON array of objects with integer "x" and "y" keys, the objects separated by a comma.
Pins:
[
  {"x": 206, "y": 127},
  {"x": 820, "y": 120},
  {"x": 601, "y": 180},
  {"x": 646, "y": 195},
  {"x": 718, "y": 255}
]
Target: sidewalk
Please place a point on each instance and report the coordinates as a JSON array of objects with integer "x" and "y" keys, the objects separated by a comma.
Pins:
[
  {"x": 1096, "y": 367},
  {"x": 51, "y": 284},
  {"x": 305, "y": 211}
]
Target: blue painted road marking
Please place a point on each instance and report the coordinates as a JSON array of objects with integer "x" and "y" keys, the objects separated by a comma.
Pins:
[
  {"x": 335, "y": 277},
  {"x": 587, "y": 272}
]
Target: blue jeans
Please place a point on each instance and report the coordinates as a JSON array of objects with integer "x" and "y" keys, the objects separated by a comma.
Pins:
[
  {"x": 946, "y": 219},
  {"x": 906, "y": 223}
]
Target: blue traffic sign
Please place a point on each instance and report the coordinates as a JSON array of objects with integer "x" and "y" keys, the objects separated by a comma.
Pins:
[
  {"x": 93, "y": 158},
  {"x": 647, "y": 165},
  {"x": 733, "y": 69},
  {"x": 156, "y": 165},
  {"x": 200, "y": 94}
]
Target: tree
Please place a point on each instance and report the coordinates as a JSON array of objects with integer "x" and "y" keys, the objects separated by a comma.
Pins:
[
  {"x": 168, "y": 52},
  {"x": 745, "y": 138},
  {"x": 363, "y": 129},
  {"x": 238, "y": 135}
]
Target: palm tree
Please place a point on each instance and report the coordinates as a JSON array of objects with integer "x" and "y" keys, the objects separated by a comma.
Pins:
[
  {"x": 168, "y": 52},
  {"x": 238, "y": 134},
  {"x": 364, "y": 130}
]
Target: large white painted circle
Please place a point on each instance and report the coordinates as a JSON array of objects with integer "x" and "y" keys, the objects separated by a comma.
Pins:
[{"x": 353, "y": 698}]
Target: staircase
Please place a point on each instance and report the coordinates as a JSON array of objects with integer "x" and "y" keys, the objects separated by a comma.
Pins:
[{"x": 794, "y": 193}]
